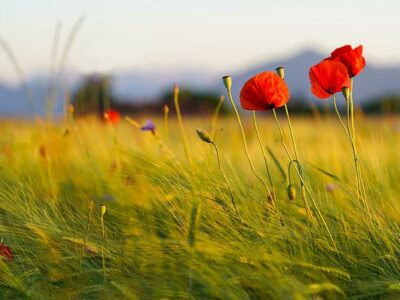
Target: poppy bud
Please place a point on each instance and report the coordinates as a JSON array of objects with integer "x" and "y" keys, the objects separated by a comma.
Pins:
[
  {"x": 71, "y": 109},
  {"x": 346, "y": 92},
  {"x": 176, "y": 90},
  {"x": 281, "y": 72},
  {"x": 102, "y": 210},
  {"x": 166, "y": 109},
  {"x": 204, "y": 135},
  {"x": 227, "y": 82},
  {"x": 291, "y": 191}
]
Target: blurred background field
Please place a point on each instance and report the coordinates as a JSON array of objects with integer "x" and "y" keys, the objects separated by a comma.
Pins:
[
  {"x": 136, "y": 50},
  {"x": 170, "y": 230}
]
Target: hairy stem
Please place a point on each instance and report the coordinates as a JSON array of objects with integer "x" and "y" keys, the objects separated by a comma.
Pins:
[
  {"x": 245, "y": 143},
  {"x": 264, "y": 154}
]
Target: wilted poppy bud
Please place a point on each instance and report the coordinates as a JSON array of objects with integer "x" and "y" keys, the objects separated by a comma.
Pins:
[
  {"x": 102, "y": 210},
  {"x": 291, "y": 191},
  {"x": 204, "y": 135},
  {"x": 281, "y": 72},
  {"x": 227, "y": 82},
  {"x": 346, "y": 92},
  {"x": 176, "y": 89}
]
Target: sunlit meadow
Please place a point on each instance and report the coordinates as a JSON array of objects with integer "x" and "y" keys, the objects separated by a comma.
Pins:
[
  {"x": 170, "y": 230},
  {"x": 249, "y": 205}
]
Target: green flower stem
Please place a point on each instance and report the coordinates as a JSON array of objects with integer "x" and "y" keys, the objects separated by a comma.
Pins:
[
  {"x": 355, "y": 154},
  {"x": 305, "y": 189},
  {"x": 245, "y": 143},
  {"x": 263, "y": 153},
  {"x": 351, "y": 138},
  {"x": 346, "y": 130},
  {"x": 302, "y": 186}
]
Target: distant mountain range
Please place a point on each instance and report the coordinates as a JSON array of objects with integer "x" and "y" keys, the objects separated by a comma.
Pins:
[{"x": 132, "y": 86}]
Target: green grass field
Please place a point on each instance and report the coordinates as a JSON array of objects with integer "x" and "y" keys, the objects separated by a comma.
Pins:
[{"x": 170, "y": 231}]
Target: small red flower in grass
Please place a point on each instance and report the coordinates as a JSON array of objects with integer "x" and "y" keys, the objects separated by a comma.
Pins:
[
  {"x": 264, "y": 91},
  {"x": 327, "y": 78},
  {"x": 351, "y": 58},
  {"x": 112, "y": 116},
  {"x": 6, "y": 252}
]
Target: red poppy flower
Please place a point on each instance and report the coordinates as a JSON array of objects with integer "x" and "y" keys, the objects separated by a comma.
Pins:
[
  {"x": 6, "y": 252},
  {"x": 264, "y": 91},
  {"x": 351, "y": 58},
  {"x": 327, "y": 78},
  {"x": 112, "y": 116}
]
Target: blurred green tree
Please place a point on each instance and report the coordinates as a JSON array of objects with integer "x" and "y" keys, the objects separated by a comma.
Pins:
[
  {"x": 93, "y": 96},
  {"x": 194, "y": 101}
]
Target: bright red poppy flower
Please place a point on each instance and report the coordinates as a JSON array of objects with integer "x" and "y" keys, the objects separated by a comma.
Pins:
[
  {"x": 112, "y": 116},
  {"x": 327, "y": 78},
  {"x": 351, "y": 58},
  {"x": 6, "y": 252},
  {"x": 264, "y": 91}
]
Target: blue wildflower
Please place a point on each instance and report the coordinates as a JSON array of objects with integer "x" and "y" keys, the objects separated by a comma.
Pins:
[{"x": 149, "y": 126}]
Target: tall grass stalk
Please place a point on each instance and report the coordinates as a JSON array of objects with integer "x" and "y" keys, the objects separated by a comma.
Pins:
[
  {"x": 85, "y": 239},
  {"x": 63, "y": 59},
  {"x": 103, "y": 238},
  {"x": 180, "y": 121},
  {"x": 166, "y": 129},
  {"x": 20, "y": 74},
  {"x": 51, "y": 80},
  {"x": 226, "y": 181},
  {"x": 192, "y": 233},
  {"x": 216, "y": 115}
]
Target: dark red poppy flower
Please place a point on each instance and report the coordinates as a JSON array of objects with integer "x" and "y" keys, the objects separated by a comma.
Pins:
[
  {"x": 327, "y": 78},
  {"x": 264, "y": 91},
  {"x": 112, "y": 116},
  {"x": 6, "y": 252},
  {"x": 351, "y": 58}
]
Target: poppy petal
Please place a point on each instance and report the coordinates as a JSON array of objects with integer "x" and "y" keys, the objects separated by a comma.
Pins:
[
  {"x": 264, "y": 91},
  {"x": 341, "y": 50},
  {"x": 327, "y": 78},
  {"x": 316, "y": 88},
  {"x": 351, "y": 58}
]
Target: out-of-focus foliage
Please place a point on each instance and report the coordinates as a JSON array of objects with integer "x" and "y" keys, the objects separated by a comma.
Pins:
[
  {"x": 159, "y": 244},
  {"x": 93, "y": 96}
]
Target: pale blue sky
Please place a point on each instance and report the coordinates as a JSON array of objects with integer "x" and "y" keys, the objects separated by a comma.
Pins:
[{"x": 214, "y": 35}]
